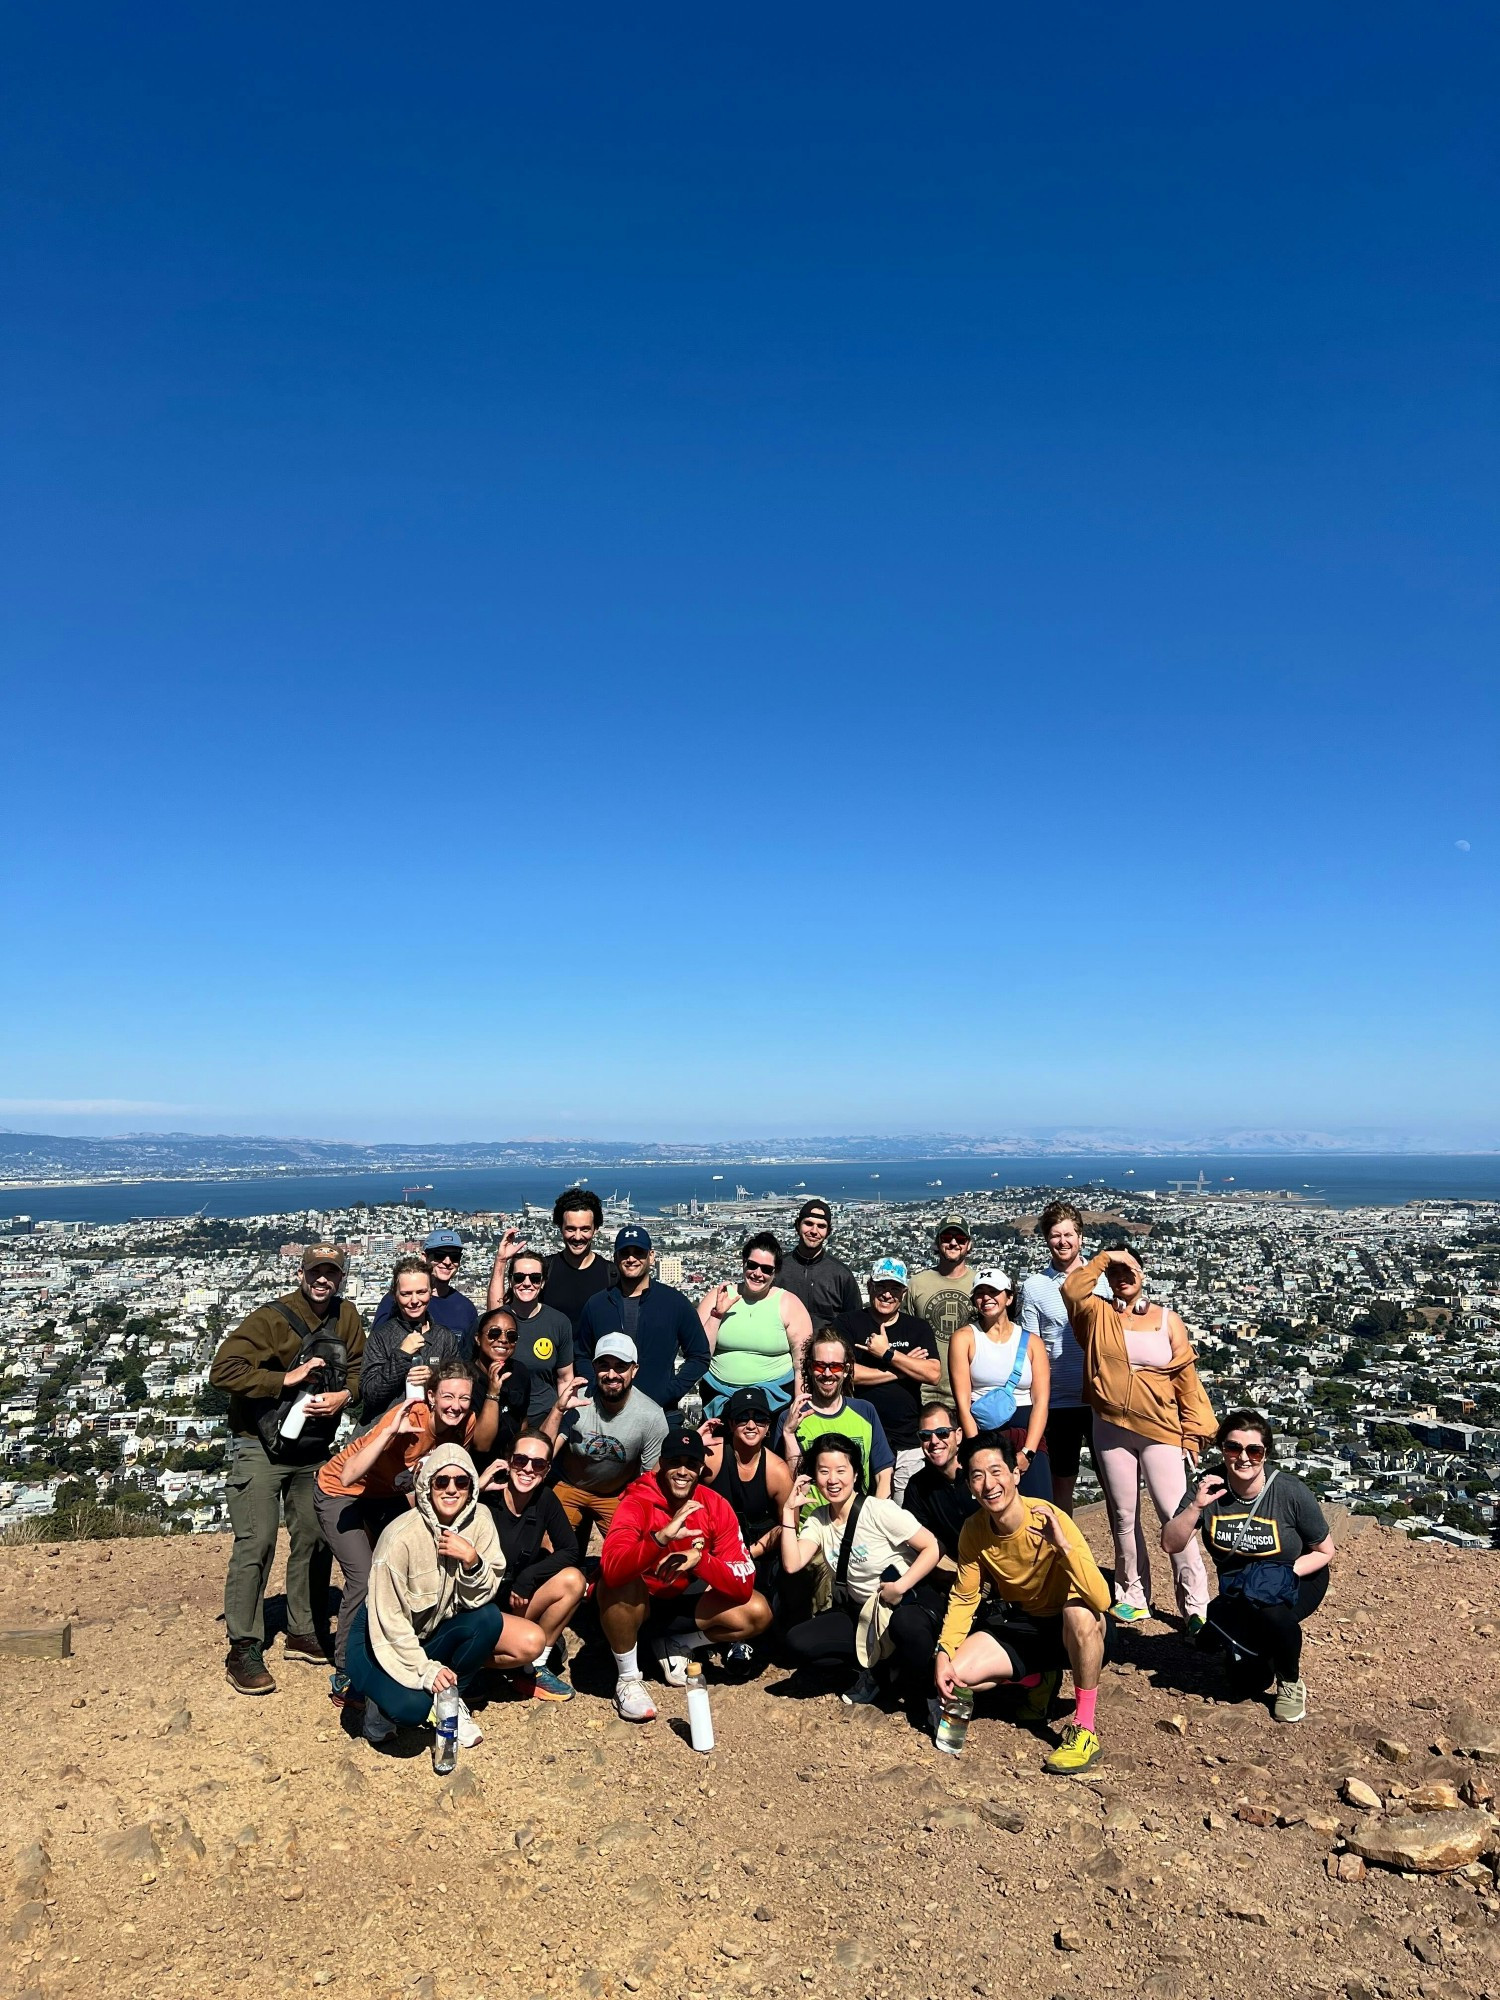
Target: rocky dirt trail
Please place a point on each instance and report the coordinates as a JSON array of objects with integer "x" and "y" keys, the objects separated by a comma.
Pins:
[{"x": 167, "y": 1837}]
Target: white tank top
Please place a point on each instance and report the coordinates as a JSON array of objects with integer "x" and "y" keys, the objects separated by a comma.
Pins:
[{"x": 993, "y": 1362}]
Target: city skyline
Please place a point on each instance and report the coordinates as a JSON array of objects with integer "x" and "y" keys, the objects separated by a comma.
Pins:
[{"x": 693, "y": 575}]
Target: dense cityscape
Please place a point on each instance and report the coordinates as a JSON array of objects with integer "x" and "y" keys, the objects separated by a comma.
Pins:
[{"x": 1370, "y": 1336}]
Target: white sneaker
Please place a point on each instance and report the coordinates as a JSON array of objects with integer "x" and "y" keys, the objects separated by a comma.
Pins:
[
  {"x": 632, "y": 1701},
  {"x": 469, "y": 1731},
  {"x": 378, "y": 1727},
  {"x": 674, "y": 1668}
]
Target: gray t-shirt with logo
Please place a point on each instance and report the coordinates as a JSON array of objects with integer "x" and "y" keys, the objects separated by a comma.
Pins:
[
  {"x": 1282, "y": 1524},
  {"x": 607, "y": 1452}
]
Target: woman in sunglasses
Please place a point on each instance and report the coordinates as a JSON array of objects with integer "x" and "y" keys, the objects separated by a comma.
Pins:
[
  {"x": 543, "y": 1582},
  {"x": 432, "y": 1619},
  {"x": 1271, "y": 1547},
  {"x": 502, "y": 1391},
  {"x": 757, "y": 1332},
  {"x": 755, "y": 1481}
]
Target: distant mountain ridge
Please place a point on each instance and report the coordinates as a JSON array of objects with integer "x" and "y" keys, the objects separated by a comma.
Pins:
[{"x": 49, "y": 1156}]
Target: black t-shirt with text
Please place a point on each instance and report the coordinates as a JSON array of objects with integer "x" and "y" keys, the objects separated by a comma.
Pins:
[{"x": 898, "y": 1403}]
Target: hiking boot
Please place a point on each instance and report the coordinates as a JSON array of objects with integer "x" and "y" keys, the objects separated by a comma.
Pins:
[
  {"x": 1290, "y": 1704},
  {"x": 1079, "y": 1748},
  {"x": 1035, "y": 1704},
  {"x": 632, "y": 1702},
  {"x": 863, "y": 1690},
  {"x": 245, "y": 1669},
  {"x": 304, "y": 1647}
]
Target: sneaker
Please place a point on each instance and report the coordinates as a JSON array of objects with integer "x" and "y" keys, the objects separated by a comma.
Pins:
[
  {"x": 343, "y": 1693},
  {"x": 245, "y": 1669},
  {"x": 303, "y": 1646},
  {"x": 378, "y": 1726},
  {"x": 740, "y": 1659},
  {"x": 1290, "y": 1704},
  {"x": 1079, "y": 1748},
  {"x": 1195, "y": 1627},
  {"x": 674, "y": 1668},
  {"x": 541, "y": 1684},
  {"x": 1035, "y": 1704},
  {"x": 469, "y": 1732},
  {"x": 1129, "y": 1614},
  {"x": 863, "y": 1691},
  {"x": 632, "y": 1701}
]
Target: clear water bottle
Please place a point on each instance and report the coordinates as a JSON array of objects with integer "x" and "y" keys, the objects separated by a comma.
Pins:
[
  {"x": 445, "y": 1743},
  {"x": 700, "y": 1719},
  {"x": 690, "y": 1409},
  {"x": 955, "y": 1712}
]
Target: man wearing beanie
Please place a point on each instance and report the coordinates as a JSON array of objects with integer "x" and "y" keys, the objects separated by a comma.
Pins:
[{"x": 824, "y": 1285}]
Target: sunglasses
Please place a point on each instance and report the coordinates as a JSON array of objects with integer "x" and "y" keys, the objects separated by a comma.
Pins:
[
  {"x": 829, "y": 1367},
  {"x": 458, "y": 1482},
  {"x": 937, "y": 1431},
  {"x": 444, "y": 1257},
  {"x": 1254, "y": 1452},
  {"x": 761, "y": 1270},
  {"x": 527, "y": 1278},
  {"x": 756, "y": 1421},
  {"x": 520, "y": 1458}
]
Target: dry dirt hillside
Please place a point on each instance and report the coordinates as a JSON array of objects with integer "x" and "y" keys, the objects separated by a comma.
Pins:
[{"x": 166, "y": 1836}]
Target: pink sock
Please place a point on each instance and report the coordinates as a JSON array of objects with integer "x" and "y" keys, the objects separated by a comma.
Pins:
[
  {"x": 1083, "y": 1707},
  {"x": 1030, "y": 1681}
]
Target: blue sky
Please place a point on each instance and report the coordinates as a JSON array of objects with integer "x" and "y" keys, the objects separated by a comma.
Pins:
[{"x": 674, "y": 573}]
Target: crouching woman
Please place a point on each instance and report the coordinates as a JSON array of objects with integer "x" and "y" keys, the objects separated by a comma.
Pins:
[
  {"x": 1271, "y": 1546},
  {"x": 431, "y": 1620}
]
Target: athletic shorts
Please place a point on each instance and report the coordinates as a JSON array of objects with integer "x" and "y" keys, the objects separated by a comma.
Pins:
[
  {"x": 1033, "y": 1645},
  {"x": 674, "y": 1613},
  {"x": 576, "y": 1502},
  {"x": 1068, "y": 1431}
]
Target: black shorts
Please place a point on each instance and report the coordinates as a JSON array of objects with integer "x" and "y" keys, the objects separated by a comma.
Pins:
[
  {"x": 1068, "y": 1431},
  {"x": 1033, "y": 1645},
  {"x": 674, "y": 1614}
]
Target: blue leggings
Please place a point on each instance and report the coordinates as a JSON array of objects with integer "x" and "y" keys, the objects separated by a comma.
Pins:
[{"x": 464, "y": 1642}]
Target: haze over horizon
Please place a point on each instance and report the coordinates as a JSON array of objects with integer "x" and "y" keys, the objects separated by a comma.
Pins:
[{"x": 679, "y": 573}]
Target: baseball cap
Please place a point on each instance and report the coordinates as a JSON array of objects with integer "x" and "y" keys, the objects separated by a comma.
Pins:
[
  {"x": 815, "y": 1206},
  {"x": 443, "y": 1239},
  {"x": 994, "y": 1277},
  {"x": 324, "y": 1253},
  {"x": 632, "y": 1237},
  {"x": 889, "y": 1271},
  {"x": 617, "y": 1345},
  {"x": 682, "y": 1446},
  {"x": 953, "y": 1222},
  {"x": 748, "y": 1402}
]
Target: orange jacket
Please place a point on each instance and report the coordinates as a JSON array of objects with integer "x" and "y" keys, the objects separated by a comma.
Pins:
[{"x": 1166, "y": 1405}]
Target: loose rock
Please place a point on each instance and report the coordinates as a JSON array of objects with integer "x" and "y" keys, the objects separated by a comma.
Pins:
[
  {"x": 1358, "y": 1793},
  {"x": 1426, "y": 1843}
]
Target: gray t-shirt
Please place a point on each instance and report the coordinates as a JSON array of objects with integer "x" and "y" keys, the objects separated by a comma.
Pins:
[
  {"x": 1044, "y": 1314},
  {"x": 1284, "y": 1523},
  {"x": 607, "y": 1452}
]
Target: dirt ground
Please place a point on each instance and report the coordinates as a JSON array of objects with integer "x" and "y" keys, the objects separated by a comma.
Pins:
[{"x": 166, "y": 1836}]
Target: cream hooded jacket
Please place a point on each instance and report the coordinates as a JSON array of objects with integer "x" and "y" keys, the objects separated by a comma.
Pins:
[{"x": 413, "y": 1589}]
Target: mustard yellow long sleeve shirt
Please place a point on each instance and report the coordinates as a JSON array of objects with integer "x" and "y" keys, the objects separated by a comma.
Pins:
[{"x": 1024, "y": 1568}]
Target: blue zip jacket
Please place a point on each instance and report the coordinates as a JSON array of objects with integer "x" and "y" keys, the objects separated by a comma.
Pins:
[{"x": 669, "y": 1339}]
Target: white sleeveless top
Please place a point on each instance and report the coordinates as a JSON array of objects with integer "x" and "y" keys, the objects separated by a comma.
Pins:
[{"x": 993, "y": 1362}]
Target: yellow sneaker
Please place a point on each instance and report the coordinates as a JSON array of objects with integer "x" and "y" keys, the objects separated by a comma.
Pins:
[{"x": 1079, "y": 1748}]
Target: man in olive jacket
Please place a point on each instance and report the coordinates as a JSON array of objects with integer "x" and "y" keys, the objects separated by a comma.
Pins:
[{"x": 258, "y": 1365}]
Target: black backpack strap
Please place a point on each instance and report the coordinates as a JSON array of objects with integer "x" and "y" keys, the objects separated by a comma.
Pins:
[{"x": 846, "y": 1547}]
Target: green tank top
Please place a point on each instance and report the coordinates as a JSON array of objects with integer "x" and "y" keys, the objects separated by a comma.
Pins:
[{"x": 752, "y": 1345}]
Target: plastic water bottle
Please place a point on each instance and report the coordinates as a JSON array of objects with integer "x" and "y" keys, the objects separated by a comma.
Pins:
[
  {"x": 690, "y": 1409},
  {"x": 954, "y": 1715},
  {"x": 445, "y": 1743},
  {"x": 700, "y": 1720}
]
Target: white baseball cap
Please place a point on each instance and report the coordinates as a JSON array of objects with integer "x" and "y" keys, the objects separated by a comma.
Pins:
[
  {"x": 994, "y": 1277},
  {"x": 619, "y": 1346}
]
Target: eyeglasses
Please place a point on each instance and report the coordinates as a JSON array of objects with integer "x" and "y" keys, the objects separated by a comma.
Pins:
[
  {"x": 829, "y": 1367},
  {"x": 1254, "y": 1452},
  {"x": 520, "y": 1458},
  {"x": 456, "y": 1482},
  {"x": 760, "y": 1270},
  {"x": 936, "y": 1431},
  {"x": 527, "y": 1278}
]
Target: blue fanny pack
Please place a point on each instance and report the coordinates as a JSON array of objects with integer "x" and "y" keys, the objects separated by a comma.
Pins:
[{"x": 995, "y": 1408}]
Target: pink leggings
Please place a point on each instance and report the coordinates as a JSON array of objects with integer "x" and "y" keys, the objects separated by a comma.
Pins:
[{"x": 1124, "y": 1458}]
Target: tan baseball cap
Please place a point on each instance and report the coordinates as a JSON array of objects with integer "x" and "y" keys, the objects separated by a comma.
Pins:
[{"x": 325, "y": 1253}]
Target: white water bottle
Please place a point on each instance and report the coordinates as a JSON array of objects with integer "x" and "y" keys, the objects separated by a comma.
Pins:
[
  {"x": 296, "y": 1417},
  {"x": 700, "y": 1720}
]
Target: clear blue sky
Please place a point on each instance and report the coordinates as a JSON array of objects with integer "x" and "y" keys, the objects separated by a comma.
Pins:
[{"x": 684, "y": 572}]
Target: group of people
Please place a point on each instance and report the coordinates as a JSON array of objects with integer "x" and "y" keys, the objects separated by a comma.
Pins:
[{"x": 873, "y": 1485}]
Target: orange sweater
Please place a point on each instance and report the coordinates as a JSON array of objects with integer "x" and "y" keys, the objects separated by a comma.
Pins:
[{"x": 1166, "y": 1405}]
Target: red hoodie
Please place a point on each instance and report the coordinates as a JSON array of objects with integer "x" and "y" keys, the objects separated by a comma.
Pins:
[{"x": 630, "y": 1551}]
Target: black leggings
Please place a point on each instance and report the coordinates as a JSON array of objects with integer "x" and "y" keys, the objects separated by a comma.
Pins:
[
  {"x": 1273, "y": 1632},
  {"x": 824, "y": 1641}
]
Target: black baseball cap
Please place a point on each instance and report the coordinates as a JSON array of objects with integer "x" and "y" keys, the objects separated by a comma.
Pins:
[
  {"x": 632, "y": 1237},
  {"x": 683, "y": 1446},
  {"x": 750, "y": 1402},
  {"x": 816, "y": 1206}
]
